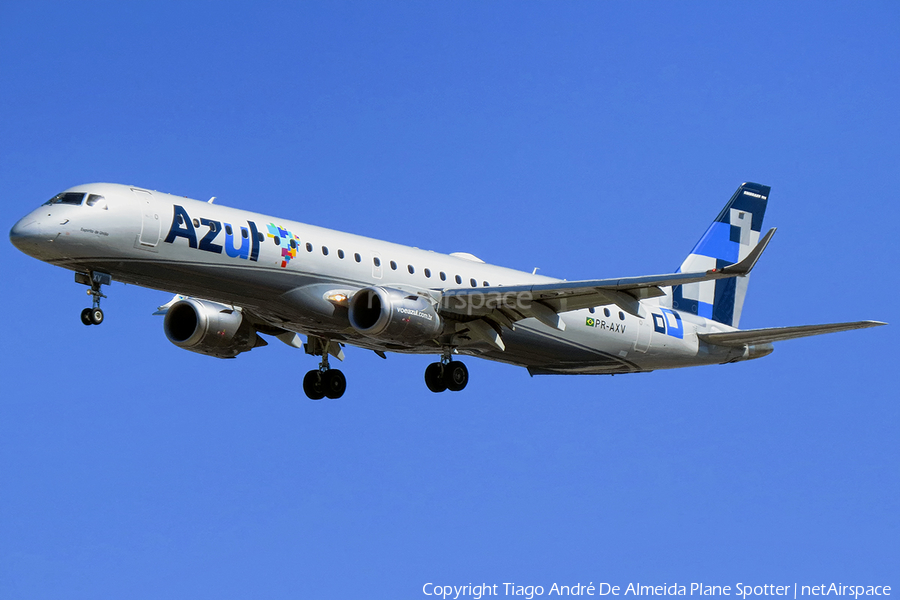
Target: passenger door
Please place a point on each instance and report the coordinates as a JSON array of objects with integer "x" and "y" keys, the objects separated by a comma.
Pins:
[{"x": 150, "y": 223}]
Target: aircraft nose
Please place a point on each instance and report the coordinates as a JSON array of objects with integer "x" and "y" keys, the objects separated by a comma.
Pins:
[{"x": 26, "y": 235}]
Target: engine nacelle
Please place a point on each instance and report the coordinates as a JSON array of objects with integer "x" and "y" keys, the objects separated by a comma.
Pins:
[
  {"x": 395, "y": 315},
  {"x": 209, "y": 328}
]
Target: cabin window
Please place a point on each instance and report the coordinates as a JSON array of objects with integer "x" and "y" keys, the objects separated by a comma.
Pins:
[
  {"x": 357, "y": 257},
  {"x": 308, "y": 247},
  {"x": 377, "y": 261},
  {"x": 443, "y": 276},
  {"x": 244, "y": 233},
  {"x": 324, "y": 251},
  {"x": 427, "y": 272},
  {"x": 277, "y": 241},
  {"x": 293, "y": 243},
  {"x": 591, "y": 310},
  {"x": 621, "y": 316},
  {"x": 473, "y": 282},
  {"x": 228, "y": 229},
  {"x": 486, "y": 284},
  {"x": 393, "y": 265},
  {"x": 340, "y": 253},
  {"x": 196, "y": 223},
  {"x": 458, "y": 279},
  {"x": 411, "y": 269},
  {"x": 606, "y": 312},
  {"x": 260, "y": 236}
]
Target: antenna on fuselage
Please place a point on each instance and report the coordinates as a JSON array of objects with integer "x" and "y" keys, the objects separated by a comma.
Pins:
[
  {"x": 535, "y": 271},
  {"x": 210, "y": 201}
]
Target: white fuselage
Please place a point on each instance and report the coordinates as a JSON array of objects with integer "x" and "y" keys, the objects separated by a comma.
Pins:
[{"x": 282, "y": 271}]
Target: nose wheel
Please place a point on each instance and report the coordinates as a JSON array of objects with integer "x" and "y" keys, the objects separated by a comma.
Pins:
[{"x": 93, "y": 315}]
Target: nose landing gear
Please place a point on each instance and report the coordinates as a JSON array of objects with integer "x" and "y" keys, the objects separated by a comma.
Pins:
[{"x": 93, "y": 315}]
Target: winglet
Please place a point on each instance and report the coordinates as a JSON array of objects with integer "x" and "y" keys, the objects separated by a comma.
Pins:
[{"x": 743, "y": 267}]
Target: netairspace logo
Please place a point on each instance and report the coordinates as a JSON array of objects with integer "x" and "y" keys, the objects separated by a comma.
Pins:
[{"x": 742, "y": 590}]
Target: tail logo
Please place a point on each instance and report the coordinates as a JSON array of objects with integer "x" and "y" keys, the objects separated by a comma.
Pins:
[{"x": 730, "y": 238}]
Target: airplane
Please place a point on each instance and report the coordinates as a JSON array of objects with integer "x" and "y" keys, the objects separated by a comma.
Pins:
[{"x": 238, "y": 275}]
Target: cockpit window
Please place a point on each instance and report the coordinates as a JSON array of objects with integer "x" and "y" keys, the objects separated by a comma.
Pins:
[
  {"x": 67, "y": 198},
  {"x": 98, "y": 201}
]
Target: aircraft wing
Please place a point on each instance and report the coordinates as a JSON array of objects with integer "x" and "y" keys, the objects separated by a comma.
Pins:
[
  {"x": 777, "y": 334},
  {"x": 544, "y": 302}
]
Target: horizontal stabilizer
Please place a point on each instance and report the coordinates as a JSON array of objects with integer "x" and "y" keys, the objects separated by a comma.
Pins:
[{"x": 777, "y": 334}]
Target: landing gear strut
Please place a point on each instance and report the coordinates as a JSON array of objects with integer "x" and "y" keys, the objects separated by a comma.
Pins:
[
  {"x": 447, "y": 374},
  {"x": 324, "y": 381},
  {"x": 93, "y": 315}
]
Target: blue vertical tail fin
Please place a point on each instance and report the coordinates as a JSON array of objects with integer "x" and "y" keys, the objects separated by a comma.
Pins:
[{"x": 728, "y": 240}]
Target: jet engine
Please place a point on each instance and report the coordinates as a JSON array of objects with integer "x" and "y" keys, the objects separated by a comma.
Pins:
[
  {"x": 210, "y": 328},
  {"x": 394, "y": 315}
]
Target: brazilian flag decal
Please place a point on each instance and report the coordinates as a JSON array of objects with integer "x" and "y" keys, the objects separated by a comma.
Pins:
[{"x": 589, "y": 321}]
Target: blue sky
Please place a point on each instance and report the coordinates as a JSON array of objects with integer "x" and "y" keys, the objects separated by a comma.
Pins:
[{"x": 587, "y": 139}]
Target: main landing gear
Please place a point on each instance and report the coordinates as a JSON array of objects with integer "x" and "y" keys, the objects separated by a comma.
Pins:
[
  {"x": 93, "y": 315},
  {"x": 318, "y": 384},
  {"x": 447, "y": 374},
  {"x": 324, "y": 381}
]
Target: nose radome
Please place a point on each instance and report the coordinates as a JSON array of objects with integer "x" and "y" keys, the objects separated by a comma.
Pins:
[
  {"x": 21, "y": 227},
  {"x": 25, "y": 233}
]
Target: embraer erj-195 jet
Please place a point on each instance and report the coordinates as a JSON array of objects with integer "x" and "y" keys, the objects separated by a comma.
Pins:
[{"x": 238, "y": 274}]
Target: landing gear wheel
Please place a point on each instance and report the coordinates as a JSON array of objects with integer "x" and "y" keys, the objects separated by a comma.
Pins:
[
  {"x": 312, "y": 385},
  {"x": 434, "y": 377},
  {"x": 456, "y": 376},
  {"x": 95, "y": 279},
  {"x": 334, "y": 383}
]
